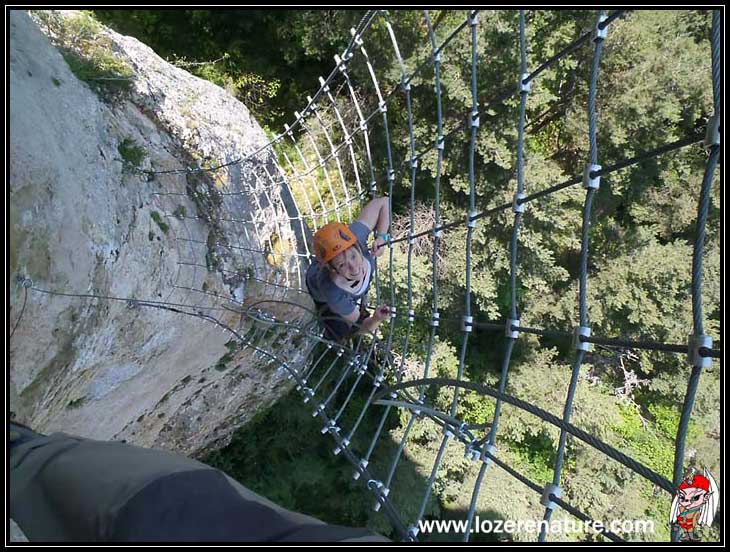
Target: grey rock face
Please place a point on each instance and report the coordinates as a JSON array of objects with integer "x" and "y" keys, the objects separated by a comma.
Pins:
[{"x": 82, "y": 222}]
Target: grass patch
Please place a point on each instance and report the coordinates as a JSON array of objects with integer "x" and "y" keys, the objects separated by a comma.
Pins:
[
  {"x": 132, "y": 153},
  {"x": 222, "y": 364},
  {"x": 88, "y": 52},
  {"x": 158, "y": 220},
  {"x": 76, "y": 403},
  {"x": 180, "y": 212}
]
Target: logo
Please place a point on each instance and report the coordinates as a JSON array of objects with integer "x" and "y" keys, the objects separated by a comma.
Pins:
[
  {"x": 695, "y": 504},
  {"x": 344, "y": 236}
]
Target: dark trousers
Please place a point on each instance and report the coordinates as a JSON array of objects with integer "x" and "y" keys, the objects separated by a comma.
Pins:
[{"x": 335, "y": 327}]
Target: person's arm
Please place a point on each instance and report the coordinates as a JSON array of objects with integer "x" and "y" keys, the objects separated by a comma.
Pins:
[
  {"x": 376, "y": 216},
  {"x": 371, "y": 323},
  {"x": 352, "y": 317}
]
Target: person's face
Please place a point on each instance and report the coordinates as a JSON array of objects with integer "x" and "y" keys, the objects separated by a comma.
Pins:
[
  {"x": 349, "y": 264},
  {"x": 691, "y": 498}
]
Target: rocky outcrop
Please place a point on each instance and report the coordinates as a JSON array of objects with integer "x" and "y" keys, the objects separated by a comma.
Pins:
[{"x": 93, "y": 229}]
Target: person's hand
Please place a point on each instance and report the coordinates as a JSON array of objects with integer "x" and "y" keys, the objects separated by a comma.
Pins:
[
  {"x": 381, "y": 313},
  {"x": 378, "y": 247}
]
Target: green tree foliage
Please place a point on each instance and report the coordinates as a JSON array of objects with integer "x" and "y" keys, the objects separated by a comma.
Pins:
[{"x": 278, "y": 53}]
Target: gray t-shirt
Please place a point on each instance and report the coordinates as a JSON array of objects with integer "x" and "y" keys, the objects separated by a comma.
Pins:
[{"x": 324, "y": 290}]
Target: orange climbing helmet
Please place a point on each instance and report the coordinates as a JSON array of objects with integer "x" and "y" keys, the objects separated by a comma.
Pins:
[{"x": 331, "y": 240}]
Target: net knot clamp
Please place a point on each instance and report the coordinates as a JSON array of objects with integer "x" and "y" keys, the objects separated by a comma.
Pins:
[
  {"x": 343, "y": 445},
  {"x": 471, "y": 453},
  {"x": 378, "y": 380},
  {"x": 696, "y": 342},
  {"x": 416, "y": 412},
  {"x": 550, "y": 491},
  {"x": 438, "y": 232},
  {"x": 355, "y": 36},
  {"x": 471, "y": 219},
  {"x": 347, "y": 55},
  {"x": 332, "y": 427},
  {"x": 312, "y": 106},
  {"x": 712, "y": 134},
  {"x": 467, "y": 323},
  {"x": 489, "y": 451},
  {"x": 578, "y": 344},
  {"x": 473, "y": 19},
  {"x": 375, "y": 485},
  {"x": 434, "y": 319},
  {"x": 518, "y": 206},
  {"x": 406, "y": 85},
  {"x": 323, "y": 85},
  {"x": 320, "y": 408},
  {"x": 348, "y": 140},
  {"x": 475, "y": 119},
  {"x": 363, "y": 126},
  {"x": 309, "y": 394},
  {"x": 289, "y": 133},
  {"x": 411, "y": 315},
  {"x": 600, "y": 33},
  {"x": 131, "y": 303},
  {"x": 373, "y": 186},
  {"x": 340, "y": 352},
  {"x": 591, "y": 182},
  {"x": 440, "y": 143},
  {"x": 382, "y": 106},
  {"x": 382, "y": 494},
  {"x": 391, "y": 175},
  {"x": 412, "y": 532},
  {"x": 411, "y": 239},
  {"x": 509, "y": 331},
  {"x": 360, "y": 469},
  {"x": 525, "y": 86},
  {"x": 448, "y": 431},
  {"x": 437, "y": 56},
  {"x": 339, "y": 63},
  {"x": 393, "y": 310},
  {"x": 414, "y": 162}
]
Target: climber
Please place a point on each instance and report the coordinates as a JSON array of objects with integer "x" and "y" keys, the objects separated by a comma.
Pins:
[
  {"x": 64, "y": 488},
  {"x": 341, "y": 276}
]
